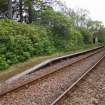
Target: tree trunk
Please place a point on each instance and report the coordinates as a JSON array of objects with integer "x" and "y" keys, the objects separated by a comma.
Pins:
[
  {"x": 21, "y": 10},
  {"x": 10, "y": 9},
  {"x": 30, "y": 14}
]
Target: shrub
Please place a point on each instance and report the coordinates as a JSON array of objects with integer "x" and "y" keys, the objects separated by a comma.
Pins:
[
  {"x": 20, "y": 41},
  {"x": 3, "y": 63}
]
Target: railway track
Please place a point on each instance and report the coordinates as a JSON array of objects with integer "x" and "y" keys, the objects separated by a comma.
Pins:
[
  {"x": 60, "y": 99},
  {"x": 45, "y": 86},
  {"x": 89, "y": 89}
]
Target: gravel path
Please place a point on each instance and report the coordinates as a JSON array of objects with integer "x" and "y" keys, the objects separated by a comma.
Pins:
[
  {"x": 91, "y": 91},
  {"x": 46, "y": 90}
]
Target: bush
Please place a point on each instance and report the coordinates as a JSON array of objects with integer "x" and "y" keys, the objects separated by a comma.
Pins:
[
  {"x": 3, "y": 63},
  {"x": 20, "y": 41}
]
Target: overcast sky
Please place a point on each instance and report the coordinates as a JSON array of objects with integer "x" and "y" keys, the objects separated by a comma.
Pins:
[{"x": 96, "y": 7}]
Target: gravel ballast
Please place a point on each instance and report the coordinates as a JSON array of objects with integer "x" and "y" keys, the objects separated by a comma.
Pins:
[{"x": 90, "y": 91}]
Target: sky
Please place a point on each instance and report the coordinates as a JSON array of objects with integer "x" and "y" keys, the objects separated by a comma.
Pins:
[{"x": 95, "y": 7}]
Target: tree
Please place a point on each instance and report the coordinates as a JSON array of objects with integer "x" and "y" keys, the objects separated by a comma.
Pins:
[
  {"x": 3, "y": 8},
  {"x": 79, "y": 17},
  {"x": 29, "y": 5}
]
